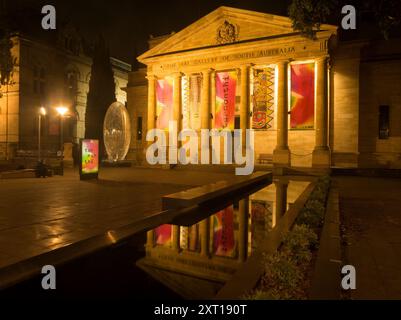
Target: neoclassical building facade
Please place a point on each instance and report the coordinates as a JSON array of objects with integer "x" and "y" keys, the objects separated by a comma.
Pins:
[
  {"x": 304, "y": 99},
  {"x": 49, "y": 75}
]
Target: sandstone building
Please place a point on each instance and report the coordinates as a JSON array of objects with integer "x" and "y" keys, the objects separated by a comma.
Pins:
[
  {"x": 312, "y": 103},
  {"x": 49, "y": 75}
]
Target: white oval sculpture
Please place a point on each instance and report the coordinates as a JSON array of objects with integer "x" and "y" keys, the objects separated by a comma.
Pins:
[{"x": 116, "y": 131}]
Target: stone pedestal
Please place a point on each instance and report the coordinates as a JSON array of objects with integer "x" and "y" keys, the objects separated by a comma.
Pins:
[
  {"x": 281, "y": 157},
  {"x": 321, "y": 157}
]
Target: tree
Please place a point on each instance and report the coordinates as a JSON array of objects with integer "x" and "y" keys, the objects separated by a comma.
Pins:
[
  {"x": 387, "y": 14},
  {"x": 7, "y": 61},
  {"x": 308, "y": 15},
  {"x": 101, "y": 93}
]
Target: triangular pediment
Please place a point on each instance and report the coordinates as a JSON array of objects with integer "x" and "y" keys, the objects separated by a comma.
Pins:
[{"x": 224, "y": 25}]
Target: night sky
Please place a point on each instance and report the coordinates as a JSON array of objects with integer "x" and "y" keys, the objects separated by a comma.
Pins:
[{"x": 127, "y": 24}]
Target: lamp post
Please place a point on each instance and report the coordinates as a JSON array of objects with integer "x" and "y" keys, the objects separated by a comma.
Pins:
[
  {"x": 61, "y": 111},
  {"x": 42, "y": 112}
]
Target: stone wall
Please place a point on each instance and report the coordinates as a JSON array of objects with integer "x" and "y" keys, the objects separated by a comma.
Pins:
[
  {"x": 344, "y": 111},
  {"x": 380, "y": 84}
]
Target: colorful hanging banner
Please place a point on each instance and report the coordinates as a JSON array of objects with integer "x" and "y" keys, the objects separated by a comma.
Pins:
[
  {"x": 164, "y": 98},
  {"x": 223, "y": 232},
  {"x": 191, "y": 94},
  {"x": 302, "y": 96},
  {"x": 189, "y": 238},
  {"x": 261, "y": 221},
  {"x": 262, "y": 98},
  {"x": 163, "y": 235},
  {"x": 225, "y": 100}
]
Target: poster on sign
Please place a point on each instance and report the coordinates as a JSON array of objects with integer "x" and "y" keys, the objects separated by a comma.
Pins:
[{"x": 89, "y": 164}]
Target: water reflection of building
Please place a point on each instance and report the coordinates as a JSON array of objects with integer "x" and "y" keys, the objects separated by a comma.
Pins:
[{"x": 196, "y": 261}]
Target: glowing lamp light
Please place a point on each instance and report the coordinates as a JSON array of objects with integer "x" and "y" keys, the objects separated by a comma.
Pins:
[
  {"x": 42, "y": 111},
  {"x": 61, "y": 110}
]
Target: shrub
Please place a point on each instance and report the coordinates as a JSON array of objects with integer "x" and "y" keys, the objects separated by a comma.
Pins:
[
  {"x": 282, "y": 276},
  {"x": 285, "y": 274},
  {"x": 298, "y": 244}
]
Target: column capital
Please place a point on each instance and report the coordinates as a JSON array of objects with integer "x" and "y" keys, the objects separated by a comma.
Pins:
[
  {"x": 322, "y": 58},
  {"x": 177, "y": 74},
  {"x": 281, "y": 181},
  {"x": 151, "y": 76},
  {"x": 207, "y": 71},
  {"x": 283, "y": 62},
  {"x": 246, "y": 65}
]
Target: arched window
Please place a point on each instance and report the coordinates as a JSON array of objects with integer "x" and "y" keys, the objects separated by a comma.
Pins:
[{"x": 39, "y": 80}]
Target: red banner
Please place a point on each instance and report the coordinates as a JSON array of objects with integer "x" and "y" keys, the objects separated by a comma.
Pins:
[
  {"x": 223, "y": 233},
  {"x": 302, "y": 96},
  {"x": 225, "y": 100},
  {"x": 163, "y": 235},
  {"x": 164, "y": 97}
]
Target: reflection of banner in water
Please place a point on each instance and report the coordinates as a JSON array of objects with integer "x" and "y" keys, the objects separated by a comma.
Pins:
[
  {"x": 189, "y": 238},
  {"x": 223, "y": 233},
  {"x": 261, "y": 220},
  {"x": 302, "y": 96},
  {"x": 164, "y": 97},
  {"x": 262, "y": 98},
  {"x": 163, "y": 234},
  {"x": 225, "y": 100},
  {"x": 191, "y": 93}
]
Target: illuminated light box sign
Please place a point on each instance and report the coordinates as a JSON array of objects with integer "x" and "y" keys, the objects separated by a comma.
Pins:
[{"x": 89, "y": 164}]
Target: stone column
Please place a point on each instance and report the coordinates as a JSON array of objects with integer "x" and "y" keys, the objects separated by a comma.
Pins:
[
  {"x": 204, "y": 235},
  {"x": 151, "y": 102},
  {"x": 150, "y": 238},
  {"x": 321, "y": 153},
  {"x": 205, "y": 106},
  {"x": 212, "y": 97},
  {"x": 281, "y": 154},
  {"x": 281, "y": 198},
  {"x": 175, "y": 237},
  {"x": 244, "y": 104},
  {"x": 243, "y": 229},
  {"x": 205, "y": 99},
  {"x": 177, "y": 110}
]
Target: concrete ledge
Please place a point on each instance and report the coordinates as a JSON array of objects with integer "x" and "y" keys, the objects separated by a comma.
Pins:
[
  {"x": 207, "y": 192},
  {"x": 326, "y": 282},
  {"x": 367, "y": 172}
]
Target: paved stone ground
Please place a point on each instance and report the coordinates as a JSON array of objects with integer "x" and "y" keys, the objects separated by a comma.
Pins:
[
  {"x": 38, "y": 215},
  {"x": 371, "y": 212}
]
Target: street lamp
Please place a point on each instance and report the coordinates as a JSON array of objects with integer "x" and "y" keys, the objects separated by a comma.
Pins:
[
  {"x": 61, "y": 110},
  {"x": 42, "y": 112}
]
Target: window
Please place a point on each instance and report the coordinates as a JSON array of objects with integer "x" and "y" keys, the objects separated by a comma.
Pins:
[
  {"x": 237, "y": 122},
  {"x": 384, "y": 122},
  {"x": 39, "y": 76},
  {"x": 139, "y": 129},
  {"x": 72, "y": 84}
]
